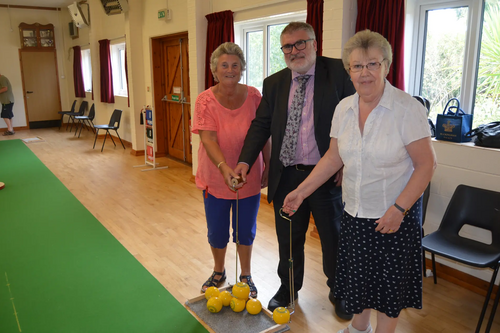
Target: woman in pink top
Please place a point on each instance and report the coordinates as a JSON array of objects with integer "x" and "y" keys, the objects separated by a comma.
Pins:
[{"x": 223, "y": 114}]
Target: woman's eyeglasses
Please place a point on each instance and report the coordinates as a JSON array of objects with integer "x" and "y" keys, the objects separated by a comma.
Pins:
[
  {"x": 299, "y": 45},
  {"x": 371, "y": 66}
]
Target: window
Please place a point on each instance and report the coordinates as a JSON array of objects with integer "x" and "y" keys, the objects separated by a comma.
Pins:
[
  {"x": 87, "y": 70},
  {"x": 118, "y": 65},
  {"x": 457, "y": 56},
  {"x": 260, "y": 41}
]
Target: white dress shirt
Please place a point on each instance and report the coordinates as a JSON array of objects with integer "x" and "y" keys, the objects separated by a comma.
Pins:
[{"x": 377, "y": 166}]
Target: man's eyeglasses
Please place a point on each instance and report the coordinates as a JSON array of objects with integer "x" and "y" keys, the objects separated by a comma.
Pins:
[
  {"x": 371, "y": 66},
  {"x": 299, "y": 45}
]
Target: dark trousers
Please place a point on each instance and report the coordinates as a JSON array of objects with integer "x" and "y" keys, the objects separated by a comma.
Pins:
[{"x": 326, "y": 206}]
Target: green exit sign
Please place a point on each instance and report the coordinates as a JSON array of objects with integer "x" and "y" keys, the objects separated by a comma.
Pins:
[{"x": 162, "y": 14}]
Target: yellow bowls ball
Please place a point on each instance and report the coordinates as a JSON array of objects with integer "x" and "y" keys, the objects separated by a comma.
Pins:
[
  {"x": 212, "y": 291},
  {"x": 237, "y": 305},
  {"x": 241, "y": 290},
  {"x": 281, "y": 315},
  {"x": 225, "y": 297},
  {"x": 214, "y": 304},
  {"x": 254, "y": 306}
]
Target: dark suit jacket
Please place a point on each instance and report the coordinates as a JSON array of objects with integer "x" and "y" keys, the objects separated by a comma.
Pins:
[{"x": 331, "y": 84}]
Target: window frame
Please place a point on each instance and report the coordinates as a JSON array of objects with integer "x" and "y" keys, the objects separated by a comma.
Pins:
[
  {"x": 472, "y": 47},
  {"x": 119, "y": 76},
  {"x": 262, "y": 24}
]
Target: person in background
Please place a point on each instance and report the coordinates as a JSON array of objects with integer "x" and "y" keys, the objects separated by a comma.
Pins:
[
  {"x": 222, "y": 116},
  {"x": 296, "y": 111},
  {"x": 380, "y": 136},
  {"x": 7, "y": 101}
]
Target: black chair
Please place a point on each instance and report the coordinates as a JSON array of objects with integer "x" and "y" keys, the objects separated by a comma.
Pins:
[
  {"x": 88, "y": 119},
  {"x": 63, "y": 113},
  {"x": 479, "y": 208},
  {"x": 425, "y": 102},
  {"x": 114, "y": 124},
  {"x": 81, "y": 111}
]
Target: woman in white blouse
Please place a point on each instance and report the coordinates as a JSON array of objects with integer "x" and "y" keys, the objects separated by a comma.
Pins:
[{"x": 380, "y": 135}]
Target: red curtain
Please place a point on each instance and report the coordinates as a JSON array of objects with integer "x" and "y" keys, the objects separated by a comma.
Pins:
[
  {"x": 107, "y": 94},
  {"x": 77, "y": 72},
  {"x": 387, "y": 17},
  {"x": 220, "y": 30},
  {"x": 126, "y": 76},
  {"x": 315, "y": 18}
]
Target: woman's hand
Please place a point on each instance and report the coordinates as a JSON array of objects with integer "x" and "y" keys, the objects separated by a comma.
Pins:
[
  {"x": 292, "y": 202},
  {"x": 390, "y": 222},
  {"x": 228, "y": 174}
]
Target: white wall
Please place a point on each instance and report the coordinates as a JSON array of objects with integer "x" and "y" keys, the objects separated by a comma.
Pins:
[{"x": 9, "y": 54}]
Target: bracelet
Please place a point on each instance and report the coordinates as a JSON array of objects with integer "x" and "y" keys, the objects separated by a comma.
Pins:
[
  {"x": 218, "y": 165},
  {"x": 401, "y": 209}
]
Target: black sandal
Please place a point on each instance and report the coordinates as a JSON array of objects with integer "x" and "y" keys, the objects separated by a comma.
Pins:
[
  {"x": 249, "y": 281},
  {"x": 213, "y": 282}
]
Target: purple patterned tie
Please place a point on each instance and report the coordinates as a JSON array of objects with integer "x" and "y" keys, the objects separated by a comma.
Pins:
[{"x": 287, "y": 154}]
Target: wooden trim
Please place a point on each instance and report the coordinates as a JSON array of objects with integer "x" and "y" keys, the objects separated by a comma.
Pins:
[
  {"x": 461, "y": 279},
  {"x": 125, "y": 142},
  {"x": 30, "y": 7},
  {"x": 137, "y": 152}
]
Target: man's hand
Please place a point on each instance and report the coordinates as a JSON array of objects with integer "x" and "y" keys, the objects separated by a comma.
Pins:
[{"x": 241, "y": 170}]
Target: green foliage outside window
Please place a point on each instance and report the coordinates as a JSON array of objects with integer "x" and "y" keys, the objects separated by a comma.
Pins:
[{"x": 444, "y": 62}]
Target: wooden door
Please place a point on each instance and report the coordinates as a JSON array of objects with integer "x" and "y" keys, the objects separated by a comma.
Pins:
[
  {"x": 41, "y": 88},
  {"x": 172, "y": 96}
]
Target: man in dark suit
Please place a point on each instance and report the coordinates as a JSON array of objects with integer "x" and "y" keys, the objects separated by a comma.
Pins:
[{"x": 297, "y": 145}]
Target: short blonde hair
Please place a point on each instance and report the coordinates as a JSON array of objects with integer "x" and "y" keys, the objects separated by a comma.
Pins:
[
  {"x": 226, "y": 48},
  {"x": 364, "y": 40}
]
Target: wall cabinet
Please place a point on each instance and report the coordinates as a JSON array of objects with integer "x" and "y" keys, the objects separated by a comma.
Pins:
[{"x": 37, "y": 36}]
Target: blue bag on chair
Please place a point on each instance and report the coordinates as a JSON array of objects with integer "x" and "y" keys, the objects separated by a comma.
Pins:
[{"x": 453, "y": 124}]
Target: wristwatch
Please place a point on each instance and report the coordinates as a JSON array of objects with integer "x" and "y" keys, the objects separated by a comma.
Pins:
[{"x": 401, "y": 209}]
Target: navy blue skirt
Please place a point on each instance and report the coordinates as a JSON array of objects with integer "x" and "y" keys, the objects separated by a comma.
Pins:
[{"x": 380, "y": 271}]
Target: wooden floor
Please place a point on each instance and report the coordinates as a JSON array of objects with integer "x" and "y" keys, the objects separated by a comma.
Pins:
[{"x": 159, "y": 217}]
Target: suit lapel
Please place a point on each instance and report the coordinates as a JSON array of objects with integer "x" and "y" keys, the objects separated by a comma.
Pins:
[
  {"x": 320, "y": 80},
  {"x": 282, "y": 103}
]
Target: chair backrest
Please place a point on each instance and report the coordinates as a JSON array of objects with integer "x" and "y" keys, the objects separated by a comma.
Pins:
[
  {"x": 425, "y": 102},
  {"x": 473, "y": 206},
  {"x": 115, "y": 119},
  {"x": 91, "y": 115},
  {"x": 73, "y": 106},
  {"x": 84, "y": 106}
]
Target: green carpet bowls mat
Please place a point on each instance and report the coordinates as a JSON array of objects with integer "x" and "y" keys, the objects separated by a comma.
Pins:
[{"x": 62, "y": 271}]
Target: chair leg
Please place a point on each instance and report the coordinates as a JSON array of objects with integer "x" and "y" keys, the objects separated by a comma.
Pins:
[
  {"x": 487, "y": 299},
  {"x": 96, "y": 134},
  {"x": 111, "y": 137},
  {"x": 424, "y": 264},
  {"x": 105, "y": 136},
  {"x": 434, "y": 268},
  {"x": 60, "y": 123},
  {"x": 120, "y": 139},
  {"x": 78, "y": 126},
  {"x": 493, "y": 311},
  {"x": 81, "y": 127}
]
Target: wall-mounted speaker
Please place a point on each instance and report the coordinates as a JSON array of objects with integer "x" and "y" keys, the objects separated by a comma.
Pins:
[
  {"x": 77, "y": 15},
  {"x": 73, "y": 30}
]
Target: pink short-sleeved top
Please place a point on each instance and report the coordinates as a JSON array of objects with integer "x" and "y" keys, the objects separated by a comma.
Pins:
[{"x": 231, "y": 127}]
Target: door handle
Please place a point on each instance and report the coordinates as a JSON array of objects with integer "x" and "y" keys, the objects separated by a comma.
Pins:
[{"x": 29, "y": 92}]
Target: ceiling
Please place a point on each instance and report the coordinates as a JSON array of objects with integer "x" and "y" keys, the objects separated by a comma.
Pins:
[{"x": 38, "y": 3}]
